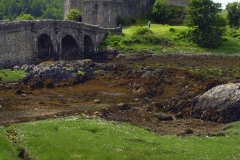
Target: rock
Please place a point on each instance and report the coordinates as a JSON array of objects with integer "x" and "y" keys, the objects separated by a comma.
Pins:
[
  {"x": 97, "y": 101},
  {"x": 189, "y": 131},
  {"x": 16, "y": 68},
  {"x": 164, "y": 118},
  {"x": 19, "y": 92},
  {"x": 1, "y": 106},
  {"x": 179, "y": 115},
  {"x": 50, "y": 74},
  {"x": 146, "y": 99},
  {"x": 221, "y": 103},
  {"x": 123, "y": 106},
  {"x": 23, "y": 95}
]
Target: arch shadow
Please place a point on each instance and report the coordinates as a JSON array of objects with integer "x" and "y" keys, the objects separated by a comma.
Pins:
[
  {"x": 45, "y": 47},
  {"x": 70, "y": 48},
  {"x": 88, "y": 46}
]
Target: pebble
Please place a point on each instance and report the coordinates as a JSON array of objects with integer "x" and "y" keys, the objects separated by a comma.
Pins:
[{"x": 97, "y": 101}]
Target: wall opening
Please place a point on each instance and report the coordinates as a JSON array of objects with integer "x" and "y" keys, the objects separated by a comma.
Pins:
[
  {"x": 45, "y": 47},
  {"x": 88, "y": 46},
  {"x": 70, "y": 48}
]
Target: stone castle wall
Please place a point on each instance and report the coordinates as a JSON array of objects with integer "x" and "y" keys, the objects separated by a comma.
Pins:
[{"x": 105, "y": 12}]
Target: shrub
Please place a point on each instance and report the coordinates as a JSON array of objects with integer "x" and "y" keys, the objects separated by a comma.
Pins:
[
  {"x": 25, "y": 17},
  {"x": 172, "y": 30},
  {"x": 143, "y": 31},
  {"x": 74, "y": 15}
]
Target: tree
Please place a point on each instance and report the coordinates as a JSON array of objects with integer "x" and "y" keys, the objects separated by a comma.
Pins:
[
  {"x": 52, "y": 13},
  {"x": 37, "y": 8},
  {"x": 74, "y": 15},
  {"x": 233, "y": 15},
  {"x": 161, "y": 11},
  {"x": 25, "y": 17},
  {"x": 208, "y": 25}
]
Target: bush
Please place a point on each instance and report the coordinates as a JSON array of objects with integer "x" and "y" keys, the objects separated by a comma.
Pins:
[
  {"x": 143, "y": 31},
  {"x": 25, "y": 17},
  {"x": 172, "y": 30},
  {"x": 74, "y": 15}
]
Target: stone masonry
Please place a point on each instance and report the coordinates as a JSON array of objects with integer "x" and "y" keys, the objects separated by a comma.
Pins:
[
  {"x": 105, "y": 12},
  {"x": 28, "y": 41}
]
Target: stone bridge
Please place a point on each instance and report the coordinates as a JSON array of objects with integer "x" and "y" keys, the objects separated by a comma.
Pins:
[{"x": 32, "y": 41}]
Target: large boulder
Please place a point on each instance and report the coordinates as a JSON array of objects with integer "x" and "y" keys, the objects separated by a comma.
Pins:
[{"x": 221, "y": 103}]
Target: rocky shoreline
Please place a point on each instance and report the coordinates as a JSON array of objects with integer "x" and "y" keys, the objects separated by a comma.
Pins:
[{"x": 137, "y": 89}]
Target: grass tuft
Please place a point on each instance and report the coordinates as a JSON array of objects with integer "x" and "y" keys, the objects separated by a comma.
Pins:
[{"x": 7, "y": 75}]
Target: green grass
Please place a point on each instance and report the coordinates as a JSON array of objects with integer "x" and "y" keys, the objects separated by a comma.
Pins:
[
  {"x": 169, "y": 39},
  {"x": 7, "y": 75},
  {"x": 80, "y": 138},
  {"x": 7, "y": 150}
]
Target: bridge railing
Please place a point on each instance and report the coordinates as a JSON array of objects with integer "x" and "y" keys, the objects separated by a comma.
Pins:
[{"x": 26, "y": 24}]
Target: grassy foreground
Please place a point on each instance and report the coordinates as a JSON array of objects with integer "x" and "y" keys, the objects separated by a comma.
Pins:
[{"x": 81, "y": 138}]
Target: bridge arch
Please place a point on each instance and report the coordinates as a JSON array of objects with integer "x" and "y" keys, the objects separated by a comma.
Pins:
[
  {"x": 70, "y": 47},
  {"x": 88, "y": 45},
  {"x": 45, "y": 48}
]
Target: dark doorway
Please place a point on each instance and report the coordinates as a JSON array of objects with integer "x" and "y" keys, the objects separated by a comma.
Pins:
[
  {"x": 88, "y": 46},
  {"x": 45, "y": 47},
  {"x": 70, "y": 48}
]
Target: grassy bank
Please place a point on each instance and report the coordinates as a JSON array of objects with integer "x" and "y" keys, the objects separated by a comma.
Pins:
[
  {"x": 161, "y": 39},
  {"x": 7, "y": 150},
  {"x": 80, "y": 138},
  {"x": 7, "y": 75}
]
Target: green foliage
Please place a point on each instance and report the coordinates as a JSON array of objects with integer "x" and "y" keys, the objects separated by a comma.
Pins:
[
  {"x": 74, "y": 15},
  {"x": 207, "y": 38},
  {"x": 234, "y": 32},
  {"x": 161, "y": 11},
  {"x": 125, "y": 22},
  {"x": 25, "y": 17},
  {"x": 143, "y": 31},
  {"x": 233, "y": 14},
  {"x": 52, "y": 13},
  {"x": 7, "y": 75},
  {"x": 203, "y": 16},
  {"x": 13, "y": 8},
  {"x": 80, "y": 138},
  {"x": 172, "y": 30},
  {"x": 177, "y": 15}
]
